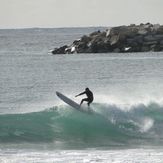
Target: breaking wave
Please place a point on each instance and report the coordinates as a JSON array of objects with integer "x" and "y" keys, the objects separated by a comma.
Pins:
[{"x": 107, "y": 125}]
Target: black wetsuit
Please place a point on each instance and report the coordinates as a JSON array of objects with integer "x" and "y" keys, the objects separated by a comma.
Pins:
[{"x": 89, "y": 98}]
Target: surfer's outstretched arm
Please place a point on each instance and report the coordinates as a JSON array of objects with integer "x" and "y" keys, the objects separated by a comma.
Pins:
[{"x": 80, "y": 94}]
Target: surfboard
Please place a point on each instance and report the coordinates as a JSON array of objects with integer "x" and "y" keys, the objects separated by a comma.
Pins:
[{"x": 72, "y": 103}]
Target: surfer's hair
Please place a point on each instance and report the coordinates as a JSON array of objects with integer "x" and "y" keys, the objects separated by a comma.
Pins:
[{"x": 87, "y": 89}]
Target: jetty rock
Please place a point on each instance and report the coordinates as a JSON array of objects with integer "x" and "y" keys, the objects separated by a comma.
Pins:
[{"x": 121, "y": 39}]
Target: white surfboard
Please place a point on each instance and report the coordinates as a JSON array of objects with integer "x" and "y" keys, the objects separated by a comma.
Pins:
[{"x": 72, "y": 103}]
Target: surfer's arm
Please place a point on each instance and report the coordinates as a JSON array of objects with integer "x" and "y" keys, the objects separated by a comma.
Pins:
[{"x": 80, "y": 94}]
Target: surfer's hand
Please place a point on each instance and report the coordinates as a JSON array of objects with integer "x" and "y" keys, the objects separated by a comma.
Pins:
[{"x": 76, "y": 96}]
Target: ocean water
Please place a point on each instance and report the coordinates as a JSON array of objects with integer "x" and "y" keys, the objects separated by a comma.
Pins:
[{"x": 36, "y": 126}]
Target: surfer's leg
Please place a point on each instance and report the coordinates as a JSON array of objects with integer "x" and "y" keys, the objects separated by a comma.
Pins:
[
  {"x": 85, "y": 99},
  {"x": 89, "y": 101},
  {"x": 81, "y": 102}
]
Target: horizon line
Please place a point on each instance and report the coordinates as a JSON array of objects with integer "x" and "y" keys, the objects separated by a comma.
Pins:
[{"x": 14, "y": 28}]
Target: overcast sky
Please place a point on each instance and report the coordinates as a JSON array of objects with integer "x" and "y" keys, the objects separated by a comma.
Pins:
[{"x": 74, "y": 13}]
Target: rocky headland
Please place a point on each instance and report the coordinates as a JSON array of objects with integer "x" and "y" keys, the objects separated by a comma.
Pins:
[{"x": 133, "y": 38}]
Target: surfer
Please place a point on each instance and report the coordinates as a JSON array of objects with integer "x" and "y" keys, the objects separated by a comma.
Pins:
[{"x": 89, "y": 95}]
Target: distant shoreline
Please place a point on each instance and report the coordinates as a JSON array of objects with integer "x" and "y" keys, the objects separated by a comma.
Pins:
[{"x": 44, "y": 28}]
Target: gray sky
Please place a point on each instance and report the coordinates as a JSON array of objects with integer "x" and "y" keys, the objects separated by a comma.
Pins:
[{"x": 74, "y": 13}]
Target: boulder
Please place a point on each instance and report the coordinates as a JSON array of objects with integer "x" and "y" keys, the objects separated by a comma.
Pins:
[
  {"x": 149, "y": 38},
  {"x": 145, "y": 48},
  {"x": 81, "y": 47},
  {"x": 158, "y": 37},
  {"x": 161, "y": 42},
  {"x": 116, "y": 50},
  {"x": 142, "y": 31},
  {"x": 60, "y": 50},
  {"x": 114, "y": 39},
  {"x": 95, "y": 33},
  {"x": 85, "y": 39},
  {"x": 151, "y": 43},
  {"x": 160, "y": 30}
]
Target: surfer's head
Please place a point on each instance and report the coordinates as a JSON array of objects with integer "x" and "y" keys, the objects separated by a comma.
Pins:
[{"x": 87, "y": 89}]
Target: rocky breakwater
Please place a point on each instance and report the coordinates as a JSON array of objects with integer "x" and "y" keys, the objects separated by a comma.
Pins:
[{"x": 133, "y": 38}]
